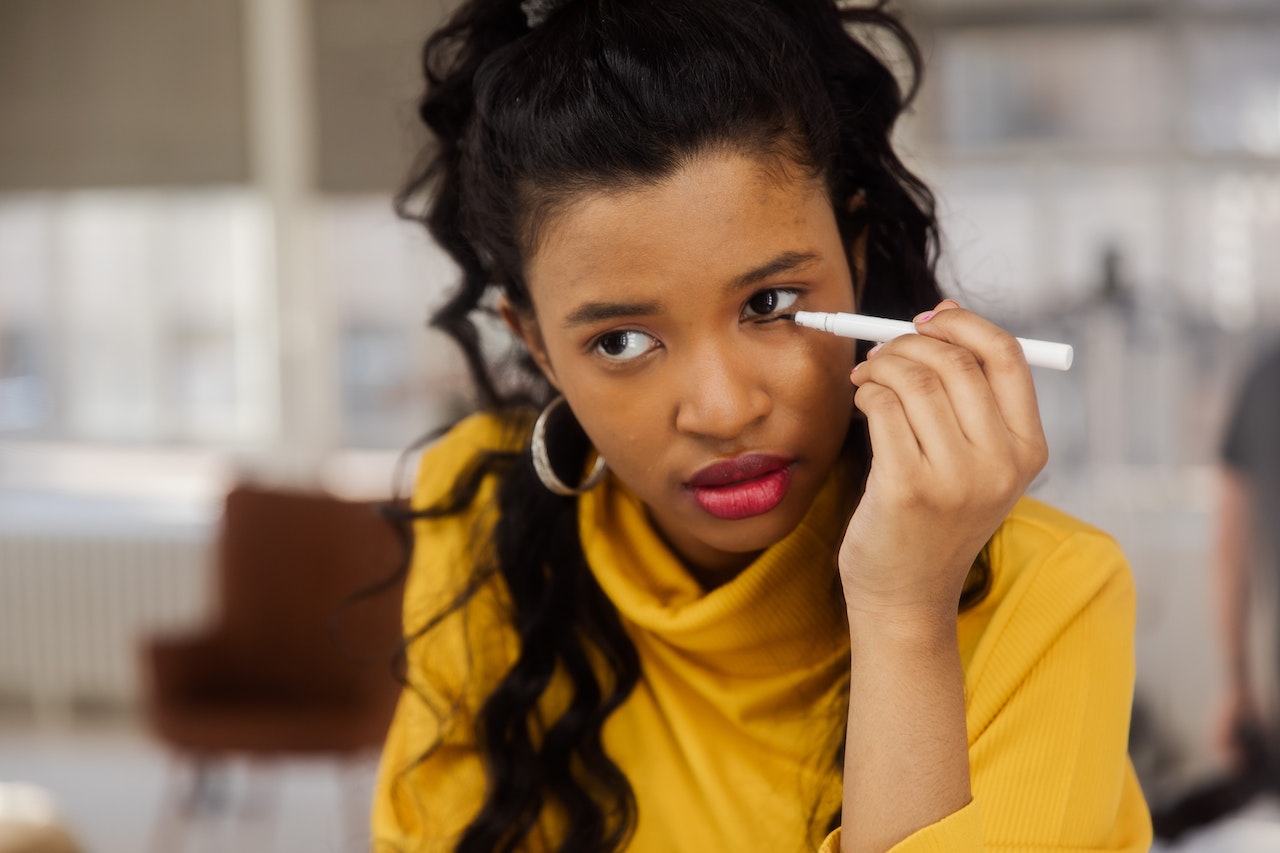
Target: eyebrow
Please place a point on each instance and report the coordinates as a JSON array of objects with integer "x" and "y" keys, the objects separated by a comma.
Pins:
[
  {"x": 786, "y": 262},
  {"x": 597, "y": 312}
]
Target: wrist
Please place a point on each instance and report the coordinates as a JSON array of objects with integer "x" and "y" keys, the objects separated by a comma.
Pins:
[
  {"x": 913, "y": 629},
  {"x": 921, "y": 606}
]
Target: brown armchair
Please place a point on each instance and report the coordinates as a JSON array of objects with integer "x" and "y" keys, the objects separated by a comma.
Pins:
[{"x": 293, "y": 665}]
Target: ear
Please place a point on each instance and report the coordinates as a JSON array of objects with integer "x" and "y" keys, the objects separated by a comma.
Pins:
[
  {"x": 525, "y": 327},
  {"x": 858, "y": 250},
  {"x": 858, "y": 267}
]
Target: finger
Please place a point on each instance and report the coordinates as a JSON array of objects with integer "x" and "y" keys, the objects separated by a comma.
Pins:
[
  {"x": 966, "y": 386},
  {"x": 1003, "y": 363},
  {"x": 892, "y": 440},
  {"x": 924, "y": 400}
]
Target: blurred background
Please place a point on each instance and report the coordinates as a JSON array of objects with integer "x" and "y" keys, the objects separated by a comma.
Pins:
[{"x": 202, "y": 283}]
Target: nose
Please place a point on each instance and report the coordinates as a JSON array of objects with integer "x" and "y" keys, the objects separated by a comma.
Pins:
[{"x": 721, "y": 394}]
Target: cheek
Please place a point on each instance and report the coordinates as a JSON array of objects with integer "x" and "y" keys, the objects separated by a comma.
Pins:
[
  {"x": 622, "y": 426},
  {"x": 817, "y": 363},
  {"x": 811, "y": 388}
]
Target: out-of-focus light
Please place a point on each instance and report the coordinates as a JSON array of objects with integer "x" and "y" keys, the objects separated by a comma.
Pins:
[
  {"x": 1231, "y": 273},
  {"x": 1260, "y": 121},
  {"x": 24, "y": 402},
  {"x": 24, "y": 803}
]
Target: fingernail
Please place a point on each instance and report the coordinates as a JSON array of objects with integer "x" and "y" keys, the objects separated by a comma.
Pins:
[
  {"x": 855, "y": 368},
  {"x": 925, "y": 317},
  {"x": 875, "y": 349}
]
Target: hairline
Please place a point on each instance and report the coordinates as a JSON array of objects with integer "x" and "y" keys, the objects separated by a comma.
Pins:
[{"x": 777, "y": 160}]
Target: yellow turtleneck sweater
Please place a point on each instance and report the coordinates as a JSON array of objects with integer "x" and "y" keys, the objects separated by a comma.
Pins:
[{"x": 728, "y": 741}]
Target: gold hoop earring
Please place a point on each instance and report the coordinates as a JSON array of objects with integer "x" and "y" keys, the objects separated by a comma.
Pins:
[{"x": 542, "y": 460}]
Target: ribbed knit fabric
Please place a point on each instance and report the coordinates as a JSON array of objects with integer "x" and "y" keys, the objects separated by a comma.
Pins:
[{"x": 729, "y": 741}]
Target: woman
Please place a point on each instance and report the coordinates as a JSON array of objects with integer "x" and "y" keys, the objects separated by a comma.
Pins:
[{"x": 733, "y": 589}]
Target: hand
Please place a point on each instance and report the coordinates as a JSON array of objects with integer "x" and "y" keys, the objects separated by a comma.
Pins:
[
  {"x": 956, "y": 439},
  {"x": 1237, "y": 718}
]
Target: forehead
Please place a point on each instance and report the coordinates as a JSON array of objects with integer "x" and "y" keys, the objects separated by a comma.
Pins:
[{"x": 710, "y": 221}]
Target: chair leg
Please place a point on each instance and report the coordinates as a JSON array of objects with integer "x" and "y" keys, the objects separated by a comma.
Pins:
[
  {"x": 356, "y": 774},
  {"x": 185, "y": 801},
  {"x": 255, "y": 818}
]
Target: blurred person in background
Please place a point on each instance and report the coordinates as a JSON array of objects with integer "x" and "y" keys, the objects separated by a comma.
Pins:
[
  {"x": 1246, "y": 577},
  {"x": 1247, "y": 574}
]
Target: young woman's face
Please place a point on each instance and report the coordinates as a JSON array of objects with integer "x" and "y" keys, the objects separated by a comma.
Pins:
[{"x": 651, "y": 309}]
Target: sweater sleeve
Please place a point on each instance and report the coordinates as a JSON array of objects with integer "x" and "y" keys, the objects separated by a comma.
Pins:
[
  {"x": 1048, "y": 697},
  {"x": 957, "y": 832}
]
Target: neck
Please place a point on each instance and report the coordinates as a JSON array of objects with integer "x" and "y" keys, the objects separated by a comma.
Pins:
[
  {"x": 711, "y": 577},
  {"x": 709, "y": 567}
]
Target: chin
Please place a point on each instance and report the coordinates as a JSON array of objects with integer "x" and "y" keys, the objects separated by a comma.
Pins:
[{"x": 756, "y": 533}]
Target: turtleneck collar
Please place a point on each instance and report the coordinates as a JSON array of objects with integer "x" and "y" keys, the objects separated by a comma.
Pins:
[{"x": 782, "y": 611}]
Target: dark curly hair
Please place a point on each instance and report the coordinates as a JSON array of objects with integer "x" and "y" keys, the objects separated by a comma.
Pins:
[{"x": 607, "y": 95}]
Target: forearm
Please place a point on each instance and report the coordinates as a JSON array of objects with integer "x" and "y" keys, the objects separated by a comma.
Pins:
[
  {"x": 906, "y": 757},
  {"x": 1232, "y": 536},
  {"x": 956, "y": 439}
]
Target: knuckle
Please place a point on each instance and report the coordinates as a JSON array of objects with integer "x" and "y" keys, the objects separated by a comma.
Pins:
[
  {"x": 962, "y": 360},
  {"x": 1006, "y": 480},
  {"x": 915, "y": 500},
  {"x": 1039, "y": 454},
  {"x": 921, "y": 380},
  {"x": 873, "y": 397},
  {"x": 911, "y": 496},
  {"x": 1007, "y": 350},
  {"x": 951, "y": 501}
]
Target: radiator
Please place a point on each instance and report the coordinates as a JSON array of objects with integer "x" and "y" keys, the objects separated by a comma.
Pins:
[{"x": 73, "y": 610}]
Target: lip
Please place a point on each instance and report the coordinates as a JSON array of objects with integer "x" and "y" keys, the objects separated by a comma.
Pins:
[{"x": 742, "y": 487}]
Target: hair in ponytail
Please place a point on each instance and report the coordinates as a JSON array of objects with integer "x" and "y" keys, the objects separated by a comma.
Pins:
[{"x": 608, "y": 95}]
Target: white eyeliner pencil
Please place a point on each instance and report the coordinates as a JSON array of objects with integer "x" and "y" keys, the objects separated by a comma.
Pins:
[{"x": 879, "y": 329}]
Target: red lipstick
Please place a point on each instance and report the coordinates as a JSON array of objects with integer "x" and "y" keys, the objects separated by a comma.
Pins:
[{"x": 747, "y": 485}]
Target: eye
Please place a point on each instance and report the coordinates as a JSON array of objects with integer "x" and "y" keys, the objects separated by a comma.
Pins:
[
  {"x": 624, "y": 345},
  {"x": 769, "y": 301}
]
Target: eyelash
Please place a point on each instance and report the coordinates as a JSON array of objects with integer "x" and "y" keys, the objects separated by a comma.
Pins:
[
  {"x": 598, "y": 342},
  {"x": 775, "y": 314},
  {"x": 771, "y": 317}
]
